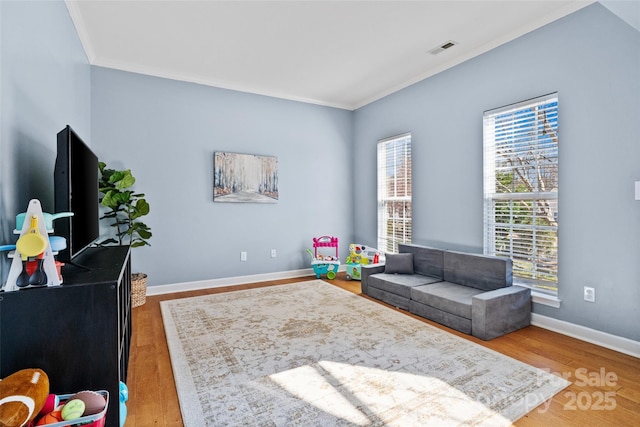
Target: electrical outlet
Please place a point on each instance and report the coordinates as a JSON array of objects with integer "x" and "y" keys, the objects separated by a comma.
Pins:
[
  {"x": 243, "y": 256},
  {"x": 273, "y": 253},
  {"x": 589, "y": 294}
]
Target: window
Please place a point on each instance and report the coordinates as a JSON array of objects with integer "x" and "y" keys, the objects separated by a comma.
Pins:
[
  {"x": 521, "y": 189},
  {"x": 394, "y": 192}
]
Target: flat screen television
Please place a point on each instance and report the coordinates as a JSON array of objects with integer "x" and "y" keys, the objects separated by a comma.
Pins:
[{"x": 75, "y": 190}]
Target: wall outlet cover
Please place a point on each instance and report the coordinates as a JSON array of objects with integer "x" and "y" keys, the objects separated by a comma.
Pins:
[{"x": 589, "y": 294}]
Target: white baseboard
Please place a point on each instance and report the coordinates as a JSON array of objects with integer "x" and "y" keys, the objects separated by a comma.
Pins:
[
  {"x": 603, "y": 339},
  {"x": 230, "y": 281},
  {"x": 226, "y": 281}
]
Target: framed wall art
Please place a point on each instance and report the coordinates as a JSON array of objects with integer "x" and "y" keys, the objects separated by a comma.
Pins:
[{"x": 244, "y": 178}]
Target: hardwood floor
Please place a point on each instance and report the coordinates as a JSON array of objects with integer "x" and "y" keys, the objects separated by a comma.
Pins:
[{"x": 605, "y": 388}]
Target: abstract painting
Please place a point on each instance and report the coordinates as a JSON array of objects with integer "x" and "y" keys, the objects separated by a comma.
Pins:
[{"x": 244, "y": 178}]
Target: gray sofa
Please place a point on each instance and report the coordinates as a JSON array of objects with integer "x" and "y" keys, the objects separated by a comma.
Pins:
[{"x": 470, "y": 293}]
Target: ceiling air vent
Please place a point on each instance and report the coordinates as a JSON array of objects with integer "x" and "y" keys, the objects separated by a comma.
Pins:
[{"x": 443, "y": 47}]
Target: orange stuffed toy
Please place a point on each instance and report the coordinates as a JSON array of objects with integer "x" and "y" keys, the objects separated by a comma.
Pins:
[{"x": 22, "y": 396}]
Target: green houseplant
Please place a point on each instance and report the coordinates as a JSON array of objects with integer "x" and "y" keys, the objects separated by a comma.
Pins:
[{"x": 125, "y": 207}]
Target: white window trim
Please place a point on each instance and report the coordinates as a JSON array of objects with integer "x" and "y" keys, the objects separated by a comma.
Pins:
[
  {"x": 382, "y": 238},
  {"x": 539, "y": 296}
]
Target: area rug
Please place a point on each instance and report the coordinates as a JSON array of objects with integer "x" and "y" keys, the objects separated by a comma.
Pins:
[{"x": 312, "y": 354}]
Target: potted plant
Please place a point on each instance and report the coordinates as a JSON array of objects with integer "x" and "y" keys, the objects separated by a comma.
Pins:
[{"x": 125, "y": 207}]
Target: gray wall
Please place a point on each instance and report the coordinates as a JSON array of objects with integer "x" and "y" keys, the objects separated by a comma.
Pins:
[
  {"x": 592, "y": 59},
  {"x": 166, "y": 132},
  {"x": 44, "y": 85}
]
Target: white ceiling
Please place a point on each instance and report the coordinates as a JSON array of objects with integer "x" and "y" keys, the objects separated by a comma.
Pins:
[{"x": 344, "y": 54}]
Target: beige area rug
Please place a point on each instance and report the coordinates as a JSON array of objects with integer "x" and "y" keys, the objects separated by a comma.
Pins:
[{"x": 312, "y": 354}]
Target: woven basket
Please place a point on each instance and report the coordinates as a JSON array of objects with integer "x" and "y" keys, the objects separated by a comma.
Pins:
[{"x": 138, "y": 289}]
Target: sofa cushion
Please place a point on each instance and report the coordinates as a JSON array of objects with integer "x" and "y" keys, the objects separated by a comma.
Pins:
[
  {"x": 399, "y": 284},
  {"x": 478, "y": 271},
  {"x": 390, "y": 298},
  {"x": 448, "y": 297},
  {"x": 450, "y": 320},
  {"x": 398, "y": 264},
  {"x": 426, "y": 260}
]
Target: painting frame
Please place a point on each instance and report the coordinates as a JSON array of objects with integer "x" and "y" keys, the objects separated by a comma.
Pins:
[{"x": 245, "y": 178}]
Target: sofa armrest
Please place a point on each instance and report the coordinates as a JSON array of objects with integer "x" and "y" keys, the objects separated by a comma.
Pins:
[
  {"x": 498, "y": 312},
  {"x": 366, "y": 271}
]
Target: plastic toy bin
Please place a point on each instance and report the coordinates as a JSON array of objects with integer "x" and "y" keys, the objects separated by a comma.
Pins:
[{"x": 96, "y": 420}]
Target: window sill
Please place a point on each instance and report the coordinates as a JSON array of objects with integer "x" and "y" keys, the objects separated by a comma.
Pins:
[
  {"x": 545, "y": 299},
  {"x": 537, "y": 296}
]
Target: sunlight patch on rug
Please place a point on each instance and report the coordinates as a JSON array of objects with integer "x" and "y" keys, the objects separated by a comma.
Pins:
[
  {"x": 312, "y": 354},
  {"x": 358, "y": 394}
]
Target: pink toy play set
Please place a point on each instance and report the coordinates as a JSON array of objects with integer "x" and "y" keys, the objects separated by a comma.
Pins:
[{"x": 322, "y": 263}]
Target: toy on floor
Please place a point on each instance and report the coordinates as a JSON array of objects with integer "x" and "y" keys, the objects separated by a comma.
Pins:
[
  {"x": 360, "y": 255},
  {"x": 324, "y": 264},
  {"x": 94, "y": 402},
  {"x": 22, "y": 396},
  {"x": 85, "y": 408},
  {"x": 52, "y": 402},
  {"x": 73, "y": 409},
  {"x": 25, "y": 401},
  {"x": 52, "y": 417},
  {"x": 124, "y": 396}
]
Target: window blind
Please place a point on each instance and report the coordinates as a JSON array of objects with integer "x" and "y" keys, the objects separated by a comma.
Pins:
[
  {"x": 394, "y": 192},
  {"x": 521, "y": 189}
]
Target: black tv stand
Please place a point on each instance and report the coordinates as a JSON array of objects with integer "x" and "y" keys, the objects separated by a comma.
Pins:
[
  {"x": 78, "y": 333},
  {"x": 75, "y": 264}
]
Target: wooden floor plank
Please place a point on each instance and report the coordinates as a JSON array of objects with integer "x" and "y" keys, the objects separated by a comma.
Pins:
[{"x": 153, "y": 400}]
